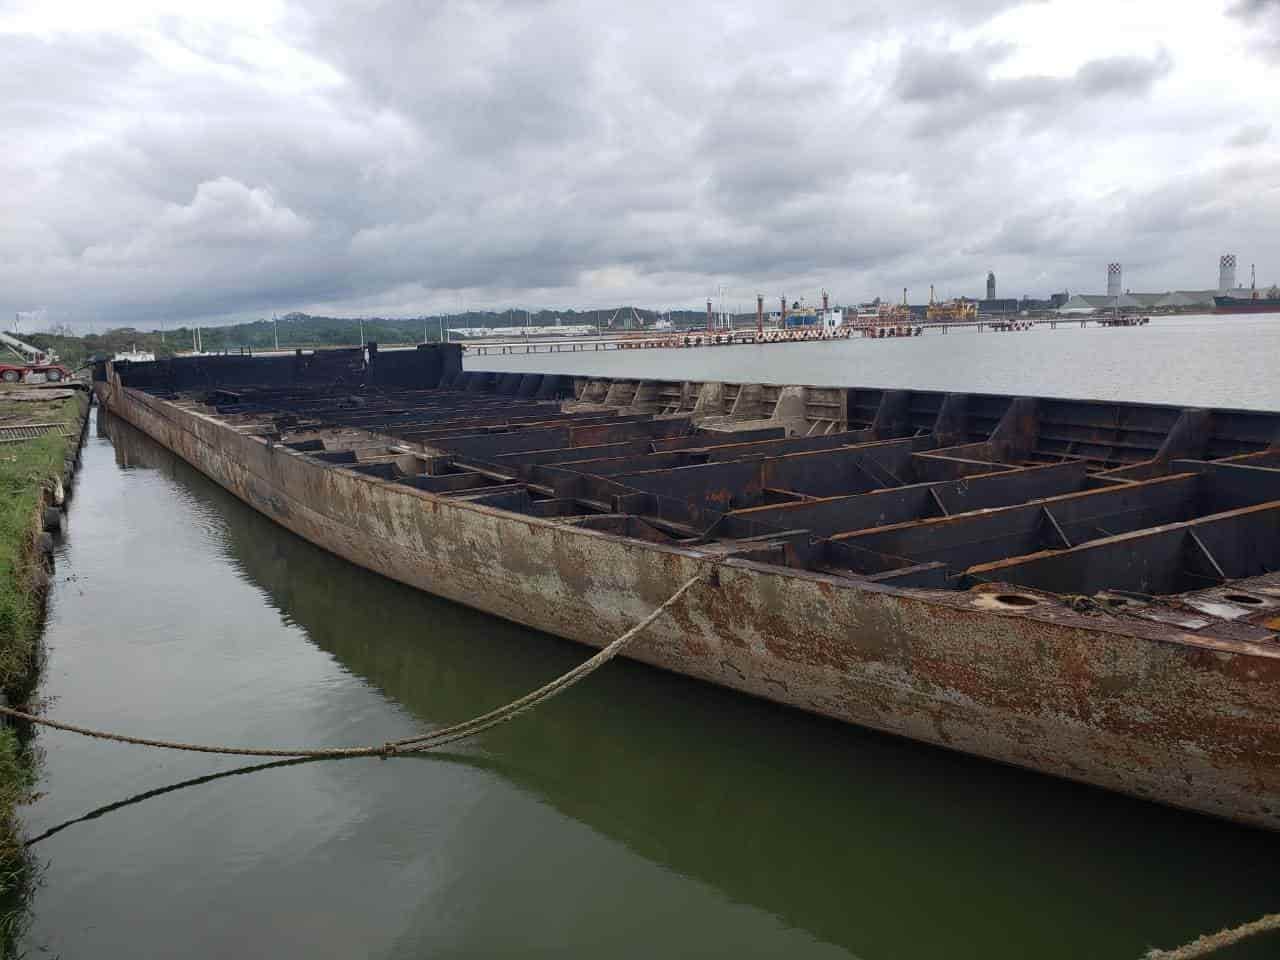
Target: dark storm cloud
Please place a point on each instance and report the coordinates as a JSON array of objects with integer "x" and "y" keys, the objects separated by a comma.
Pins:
[{"x": 402, "y": 155}]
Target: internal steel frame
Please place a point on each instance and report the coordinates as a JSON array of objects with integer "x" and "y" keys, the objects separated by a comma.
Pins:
[{"x": 1113, "y": 502}]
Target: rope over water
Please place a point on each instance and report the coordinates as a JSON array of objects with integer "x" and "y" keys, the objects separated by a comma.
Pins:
[
  {"x": 415, "y": 744},
  {"x": 1200, "y": 947},
  {"x": 1213, "y": 942}
]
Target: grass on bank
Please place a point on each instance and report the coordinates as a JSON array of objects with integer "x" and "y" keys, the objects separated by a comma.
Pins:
[
  {"x": 17, "y": 870},
  {"x": 26, "y": 470}
]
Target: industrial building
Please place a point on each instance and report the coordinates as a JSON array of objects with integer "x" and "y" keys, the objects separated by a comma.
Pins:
[
  {"x": 1168, "y": 300},
  {"x": 993, "y": 306},
  {"x": 1118, "y": 298}
]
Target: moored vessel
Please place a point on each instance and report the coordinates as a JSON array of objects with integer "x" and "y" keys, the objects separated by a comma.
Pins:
[
  {"x": 1087, "y": 589},
  {"x": 1254, "y": 304}
]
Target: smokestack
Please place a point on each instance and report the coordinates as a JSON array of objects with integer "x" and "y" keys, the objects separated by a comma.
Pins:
[
  {"x": 931, "y": 294},
  {"x": 904, "y": 296},
  {"x": 1113, "y": 279},
  {"x": 1227, "y": 272},
  {"x": 759, "y": 314},
  {"x": 991, "y": 285},
  {"x": 711, "y": 322},
  {"x": 824, "y": 301},
  {"x": 783, "y": 318}
]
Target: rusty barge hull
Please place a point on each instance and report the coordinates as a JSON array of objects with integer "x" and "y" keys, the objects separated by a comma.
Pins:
[{"x": 1090, "y": 590}]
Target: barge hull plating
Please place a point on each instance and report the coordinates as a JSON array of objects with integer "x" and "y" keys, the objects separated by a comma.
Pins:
[{"x": 578, "y": 518}]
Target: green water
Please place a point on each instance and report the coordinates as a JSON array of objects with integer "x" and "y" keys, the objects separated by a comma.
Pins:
[{"x": 640, "y": 815}]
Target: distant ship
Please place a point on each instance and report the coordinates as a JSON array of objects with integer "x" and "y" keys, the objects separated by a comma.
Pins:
[{"x": 1254, "y": 304}]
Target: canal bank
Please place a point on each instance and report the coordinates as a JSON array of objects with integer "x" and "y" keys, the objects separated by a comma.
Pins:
[
  {"x": 40, "y": 435},
  {"x": 674, "y": 818}
]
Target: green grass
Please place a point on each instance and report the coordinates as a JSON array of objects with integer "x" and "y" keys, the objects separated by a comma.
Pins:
[
  {"x": 17, "y": 870},
  {"x": 27, "y": 470}
]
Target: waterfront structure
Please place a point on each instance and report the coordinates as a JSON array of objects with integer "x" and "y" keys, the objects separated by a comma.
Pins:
[
  {"x": 1168, "y": 300},
  {"x": 1227, "y": 291}
]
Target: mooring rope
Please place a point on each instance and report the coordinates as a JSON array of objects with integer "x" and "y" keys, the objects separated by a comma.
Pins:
[
  {"x": 1213, "y": 942},
  {"x": 1200, "y": 947},
  {"x": 414, "y": 744}
]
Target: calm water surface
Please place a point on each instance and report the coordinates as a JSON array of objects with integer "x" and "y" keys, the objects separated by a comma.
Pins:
[
  {"x": 640, "y": 815},
  {"x": 1226, "y": 361}
]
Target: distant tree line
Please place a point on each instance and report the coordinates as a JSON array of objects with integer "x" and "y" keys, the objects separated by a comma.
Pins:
[{"x": 306, "y": 331}]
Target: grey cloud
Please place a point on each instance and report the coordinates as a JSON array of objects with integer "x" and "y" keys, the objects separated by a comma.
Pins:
[
  {"x": 1122, "y": 75},
  {"x": 50, "y": 82},
  {"x": 1262, "y": 19},
  {"x": 954, "y": 90},
  {"x": 1250, "y": 135},
  {"x": 528, "y": 151},
  {"x": 925, "y": 76},
  {"x": 478, "y": 77}
]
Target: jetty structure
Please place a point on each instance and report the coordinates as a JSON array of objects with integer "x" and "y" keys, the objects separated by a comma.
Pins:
[{"x": 1087, "y": 589}]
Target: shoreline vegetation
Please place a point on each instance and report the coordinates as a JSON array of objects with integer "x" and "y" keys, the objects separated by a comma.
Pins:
[
  {"x": 32, "y": 472},
  {"x": 300, "y": 330}
]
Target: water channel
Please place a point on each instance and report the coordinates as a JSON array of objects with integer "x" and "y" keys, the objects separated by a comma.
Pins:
[{"x": 640, "y": 815}]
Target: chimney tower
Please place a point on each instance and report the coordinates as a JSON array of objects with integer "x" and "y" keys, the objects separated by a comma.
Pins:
[
  {"x": 1113, "y": 279},
  {"x": 1226, "y": 272}
]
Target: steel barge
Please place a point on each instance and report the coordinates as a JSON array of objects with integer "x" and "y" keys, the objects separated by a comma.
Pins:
[{"x": 1086, "y": 589}]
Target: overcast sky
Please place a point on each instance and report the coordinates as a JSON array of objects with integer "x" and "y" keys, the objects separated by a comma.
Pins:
[{"x": 165, "y": 162}]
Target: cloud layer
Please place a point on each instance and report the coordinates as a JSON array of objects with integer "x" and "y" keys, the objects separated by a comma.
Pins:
[{"x": 400, "y": 157}]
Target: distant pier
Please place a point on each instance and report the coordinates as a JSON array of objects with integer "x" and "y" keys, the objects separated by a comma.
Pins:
[{"x": 667, "y": 340}]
